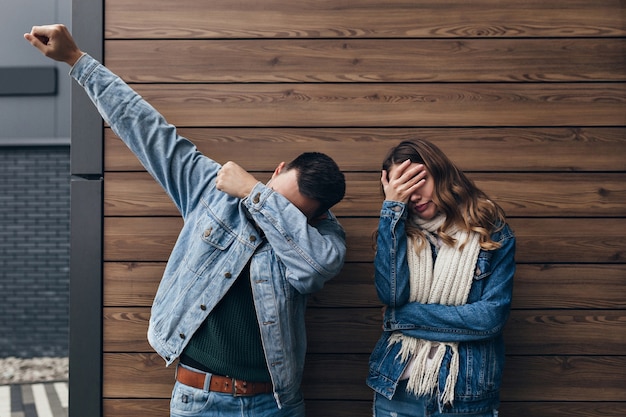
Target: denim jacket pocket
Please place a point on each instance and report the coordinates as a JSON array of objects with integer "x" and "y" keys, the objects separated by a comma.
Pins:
[
  {"x": 481, "y": 371},
  {"x": 208, "y": 240}
]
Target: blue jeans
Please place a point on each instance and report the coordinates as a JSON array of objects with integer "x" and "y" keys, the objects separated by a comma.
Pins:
[
  {"x": 404, "y": 404},
  {"x": 189, "y": 401}
]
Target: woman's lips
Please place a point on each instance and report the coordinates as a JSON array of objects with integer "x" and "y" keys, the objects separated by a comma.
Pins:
[{"x": 421, "y": 207}]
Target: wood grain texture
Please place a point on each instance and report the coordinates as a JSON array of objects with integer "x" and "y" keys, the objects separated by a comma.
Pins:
[
  {"x": 370, "y": 60},
  {"x": 356, "y": 330},
  {"x": 362, "y": 19},
  {"x": 341, "y": 377},
  {"x": 389, "y": 105},
  {"x": 537, "y": 286},
  {"x": 131, "y": 283},
  {"x": 534, "y": 195},
  {"x": 538, "y": 240},
  {"x": 501, "y": 149},
  {"x": 528, "y": 98},
  {"x": 564, "y": 378},
  {"x": 566, "y": 332},
  {"x": 150, "y": 378},
  {"x": 562, "y": 408},
  {"x": 570, "y": 240},
  {"x": 136, "y": 407},
  {"x": 565, "y": 286}
]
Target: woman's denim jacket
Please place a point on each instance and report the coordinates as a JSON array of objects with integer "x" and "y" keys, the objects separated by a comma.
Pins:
[
  {"x": 289, "y": 258},
  {"x": 477, "y": 325}
]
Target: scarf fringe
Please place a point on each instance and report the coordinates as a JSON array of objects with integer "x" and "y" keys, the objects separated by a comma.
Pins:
[{"x": 424, "y": 378}]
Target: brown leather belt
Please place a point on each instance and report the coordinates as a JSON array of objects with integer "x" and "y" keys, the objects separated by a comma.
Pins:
[{"x": 223, "y": 384}]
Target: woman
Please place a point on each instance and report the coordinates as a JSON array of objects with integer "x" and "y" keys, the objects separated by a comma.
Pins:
[{"x": 444, "y": 272}]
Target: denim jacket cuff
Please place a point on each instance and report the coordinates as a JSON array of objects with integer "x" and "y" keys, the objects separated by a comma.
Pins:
[
  {"x": 390, "y": 321},
  {"x": 255, "y": 200},
  {"x": 393, "y": 209},
  {"x": 83, "y": 67}
]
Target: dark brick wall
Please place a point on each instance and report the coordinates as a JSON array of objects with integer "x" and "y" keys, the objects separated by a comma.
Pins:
[{"x": 34, "y": 251}]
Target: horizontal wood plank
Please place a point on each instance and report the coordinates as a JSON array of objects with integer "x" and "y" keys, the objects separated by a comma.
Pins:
[
  {"x": 362, "y": 19},
  {"x": 131, "y": 283},
  {"x": 538, "y": 240},
  {"x": 566, "y": 332},
  {"x": 562, "y": 286},
  {"x": 356, "y": 330},
  {"x": 136, "y": 375},
  {"x": 371, "y": 60},
  {"x": 556, "y": 195},
  {"x": 564, "y": 378},
  {"x": 139, "y": 239},
  {"x": 472, "y": 149},
  {"x": 136, "y": 407},
  {"x": 570, "y": 240},
  {"x": 125, "y": 329},
  {"x": 389, "y": 105},
  {"x": 562, "y": 409},
  {"x": 537, "y": 286},
  {"x": 534, "y": 195},
  {"x": 342, "y": 377}
]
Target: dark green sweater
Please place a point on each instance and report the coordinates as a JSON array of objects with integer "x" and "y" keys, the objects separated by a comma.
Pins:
[{"x": 228, "y": 343}]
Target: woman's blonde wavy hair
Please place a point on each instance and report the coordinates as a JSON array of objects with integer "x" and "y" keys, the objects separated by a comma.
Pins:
[{"x": 455, "y": 195}]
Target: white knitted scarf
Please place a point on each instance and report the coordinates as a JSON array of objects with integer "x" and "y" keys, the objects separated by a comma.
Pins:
[{"x": 447, "y": 282}]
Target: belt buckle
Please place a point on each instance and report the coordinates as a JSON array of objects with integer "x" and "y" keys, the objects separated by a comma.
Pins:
[{"x": 236, "y": 392}]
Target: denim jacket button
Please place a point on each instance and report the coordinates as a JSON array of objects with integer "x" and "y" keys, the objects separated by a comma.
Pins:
[
  {"x": 182, "y": 335},
  {"x": 207, "y": 232},
  {"x": 257, "y": 198},
  {"x": 202, "y": 307},
  {"x": 228, "y": 275},
  {"x": 252, "y": 238}
]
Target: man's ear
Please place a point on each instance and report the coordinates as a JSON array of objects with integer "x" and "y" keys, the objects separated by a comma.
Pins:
[{"x": 278, "y": 169}]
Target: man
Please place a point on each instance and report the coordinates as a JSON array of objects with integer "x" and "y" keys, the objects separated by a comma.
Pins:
[{"x": 230, "y": 306}]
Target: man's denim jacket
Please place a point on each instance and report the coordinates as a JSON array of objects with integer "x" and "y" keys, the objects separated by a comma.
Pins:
[
  {"x": 289, "y": 258},
  {"x": 477, "y": 325}
]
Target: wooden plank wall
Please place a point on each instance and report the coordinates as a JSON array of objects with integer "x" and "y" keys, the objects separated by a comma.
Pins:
[{"x": 527, "y": 97}]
